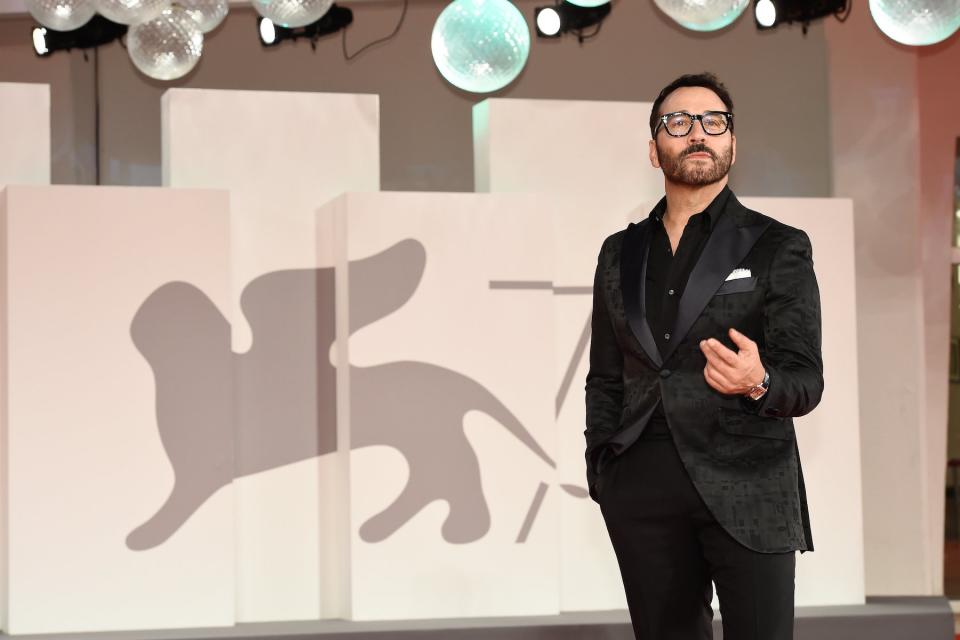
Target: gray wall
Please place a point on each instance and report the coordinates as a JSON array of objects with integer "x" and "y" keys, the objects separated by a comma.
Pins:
[{"x": 778, "y": 80}]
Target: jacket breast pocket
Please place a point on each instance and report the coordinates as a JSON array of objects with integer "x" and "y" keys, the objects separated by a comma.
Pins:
[
  {"x": 748, "y": 424},
  {"x": 739, "y": 285}
]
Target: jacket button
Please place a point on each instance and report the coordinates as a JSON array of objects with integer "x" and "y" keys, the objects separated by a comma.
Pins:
[{"x": 664, "y": 373}]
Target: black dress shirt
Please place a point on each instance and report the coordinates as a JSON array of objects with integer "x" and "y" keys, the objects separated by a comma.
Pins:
[{"x": 667, "y": 275}]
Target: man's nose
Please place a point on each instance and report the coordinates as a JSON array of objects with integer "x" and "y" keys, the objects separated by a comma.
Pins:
[{"x": 697, "y": 132}]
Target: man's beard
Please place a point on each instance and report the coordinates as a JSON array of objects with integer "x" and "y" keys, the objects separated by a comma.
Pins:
[{"x": 695, "y": 174}]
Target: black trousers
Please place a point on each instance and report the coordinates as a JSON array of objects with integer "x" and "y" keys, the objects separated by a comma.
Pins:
[{"x": 669, "y": 547}]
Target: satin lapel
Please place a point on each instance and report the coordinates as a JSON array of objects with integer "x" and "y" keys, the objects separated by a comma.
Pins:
[
  {"x": 633, "y": 279},
  {"x": 726, "y": 247}
]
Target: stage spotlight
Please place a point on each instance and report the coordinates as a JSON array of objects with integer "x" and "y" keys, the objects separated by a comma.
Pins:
[
  {"x": 768, "y": 14},
  {"x": 548, "y": 22},
  {"x": 272, "y": 34},
  {"x": 567, "y": 17},
  {"x": 97, "y": 31},
  {"x": 268, "y": 32}
]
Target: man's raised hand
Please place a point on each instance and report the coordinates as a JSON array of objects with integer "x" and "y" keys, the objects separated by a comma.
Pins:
[{"x": 732, "y": 371}]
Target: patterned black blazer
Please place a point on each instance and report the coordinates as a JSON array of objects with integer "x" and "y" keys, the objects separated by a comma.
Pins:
[{"x": 741, "y": 455}]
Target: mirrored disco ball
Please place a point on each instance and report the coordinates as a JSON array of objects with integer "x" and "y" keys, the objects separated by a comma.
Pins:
[
  {"x": 292, "y": 13},
  {"x": 480, "y": 45},
  {"x": 703, "y": 15},
  {"x": 130, "y": 11},
  {"x": 208, "y": 13},
  {"x": 61, "y": 15},
  {"x": 167, "y": 47},
  {"x": 916, "y": 22}
]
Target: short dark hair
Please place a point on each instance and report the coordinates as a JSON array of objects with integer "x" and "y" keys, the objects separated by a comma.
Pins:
[{"x": 705, "y": 79}]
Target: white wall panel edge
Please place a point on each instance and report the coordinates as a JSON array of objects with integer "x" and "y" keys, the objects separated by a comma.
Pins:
[
  {"x": 3, "y": 410},
  {"x": 165, "y": 147},
  {"x": 337, "y": 587},
  {"x": 480, "y": 118}
]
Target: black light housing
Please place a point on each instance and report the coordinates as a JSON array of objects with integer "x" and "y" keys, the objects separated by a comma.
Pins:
[
  {"x": 333, "y": 20},
  {"x": 768, "y": 14},
  {"x": 564, "y": 17},
  {"x": 97, "y": 31}
]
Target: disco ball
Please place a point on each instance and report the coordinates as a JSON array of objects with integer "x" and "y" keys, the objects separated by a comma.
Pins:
[
  {"x": 61, "y": 15},
  {"x": 167, "y": 47},
  {"x": 588, "y": 3},
  {"x": 916, "y": 22},
  {"x": 292, "y": 13},
  {"x": 480, "y": 45},
  {"x": 130, "y": 11},
  {"x": 208, "y": 13},
  {"x": 703, "y": 15}
]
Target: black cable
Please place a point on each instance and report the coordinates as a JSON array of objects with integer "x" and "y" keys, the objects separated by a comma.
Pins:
[
  {"x": 396, "y": 29},
  {"x": 581, "y": 37}
]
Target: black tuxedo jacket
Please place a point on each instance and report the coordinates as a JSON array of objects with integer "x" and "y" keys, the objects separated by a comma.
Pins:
[{"x": 741, "y": 454}]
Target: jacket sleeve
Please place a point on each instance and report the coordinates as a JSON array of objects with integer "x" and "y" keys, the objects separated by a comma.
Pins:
[
  {"x": 792, "y": 334},
  {"x": 604, "y": 388}
]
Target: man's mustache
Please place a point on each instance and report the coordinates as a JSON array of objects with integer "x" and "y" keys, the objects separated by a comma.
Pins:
[{"x": 698, "y": 148}]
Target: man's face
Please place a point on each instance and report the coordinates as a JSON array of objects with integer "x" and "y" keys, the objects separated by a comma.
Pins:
[{"x": 696, "y": 159}]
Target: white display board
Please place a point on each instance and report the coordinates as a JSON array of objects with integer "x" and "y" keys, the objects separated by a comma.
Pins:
[
  {"x": 829, "y": 436},
  {"x": 116, "y": 423},
  {"x": 281, "y": 154},
  {"x": 453, "y": 493},
  {"x": 591, "y": 155},
  {"x": 25, "y": 132}
]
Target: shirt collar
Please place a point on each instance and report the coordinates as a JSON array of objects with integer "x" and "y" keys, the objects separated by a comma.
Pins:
[{"x": 714, "y": 210}]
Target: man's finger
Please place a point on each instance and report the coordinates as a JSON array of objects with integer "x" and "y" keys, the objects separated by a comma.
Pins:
[
  {"x": 720, "y": 364},
  {"x": 742, "y": 341},
  {"x": 710, "y": 381},
  {"x": 722, "y": 383},
  {"x": 717, "y": 347}
]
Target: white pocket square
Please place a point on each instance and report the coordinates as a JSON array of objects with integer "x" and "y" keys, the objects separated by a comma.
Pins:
[{"x": 738, "y": 273}]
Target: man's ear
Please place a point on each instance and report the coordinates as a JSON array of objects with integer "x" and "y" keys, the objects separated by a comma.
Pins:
[
  {"x": 733, "y": 149},
  {"x": 654, "y": 157}
]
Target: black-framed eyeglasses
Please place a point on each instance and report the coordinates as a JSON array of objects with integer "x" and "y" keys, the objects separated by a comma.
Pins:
[{"x": 680, "y": 123}]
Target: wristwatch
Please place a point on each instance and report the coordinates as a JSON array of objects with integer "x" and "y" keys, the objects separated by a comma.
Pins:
[{"x": 756, "y": 391}]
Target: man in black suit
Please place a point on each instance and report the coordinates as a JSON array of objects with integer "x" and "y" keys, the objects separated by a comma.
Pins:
[{"x": 705, "y": 345}]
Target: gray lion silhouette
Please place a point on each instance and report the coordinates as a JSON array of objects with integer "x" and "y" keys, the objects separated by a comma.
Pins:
[{"x": 276, "y": 402}]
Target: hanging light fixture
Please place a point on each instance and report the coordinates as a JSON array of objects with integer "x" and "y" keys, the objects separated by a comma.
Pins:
[
  {"x": 919, "y": 22},
  {"x": 95, "y": 32},
  {"x": 61, "y": 15},
  {"x": 769, "y": 14},
  {"x": 480, "y": 45},
  {"x": 568, "y": 17},
  {"x": 167, "y": 47},
  {"x": 703, "y": 15}
]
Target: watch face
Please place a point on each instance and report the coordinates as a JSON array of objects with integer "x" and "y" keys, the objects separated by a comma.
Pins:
[{"x": 757, "y": 393}]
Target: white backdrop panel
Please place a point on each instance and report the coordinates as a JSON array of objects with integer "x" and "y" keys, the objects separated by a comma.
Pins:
[
  {"x": 454, "y": 496},
  {"x": 25, "y": 132},
  {"x": 96, "y": 342},
  {"x": 593, "y": 156},
  {"x": 829, "y": 437},
  {"x": 281, "y": 154}
]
